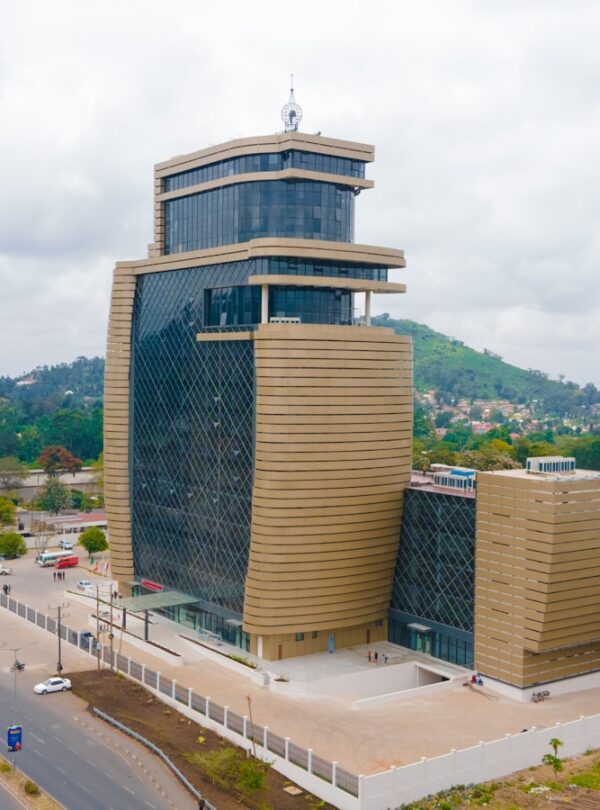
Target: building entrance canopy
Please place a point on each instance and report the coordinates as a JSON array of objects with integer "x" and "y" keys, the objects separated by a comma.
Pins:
[{"x": 155, "y": 601}]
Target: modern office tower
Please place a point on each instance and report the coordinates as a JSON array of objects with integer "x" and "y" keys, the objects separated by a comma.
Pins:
[
  {"x": 538, "y": 573},
  {"x": 432, "y": 596},
  {"x": 258, "y": 437}
]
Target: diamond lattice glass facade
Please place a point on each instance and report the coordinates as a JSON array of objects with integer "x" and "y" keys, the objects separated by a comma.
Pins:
[
  {"x": 192, "y": 442},
  {"x": 434, "y": 576}
]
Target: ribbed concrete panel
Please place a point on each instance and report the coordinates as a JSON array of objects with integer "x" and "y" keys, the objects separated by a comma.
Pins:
[
  {"x": 327, "y": 497},
  {"x": 537, "y": 589},
  {"x": 116, "y": 424}
]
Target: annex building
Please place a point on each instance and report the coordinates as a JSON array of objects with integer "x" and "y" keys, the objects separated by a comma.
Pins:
[{"x": 258, "y": 436}]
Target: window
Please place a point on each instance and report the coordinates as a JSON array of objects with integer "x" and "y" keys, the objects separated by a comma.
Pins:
[
  {"x": 314, "y": 634},
  {"x": 379, "y": 623},
  {"x": 299, "y": 636}
]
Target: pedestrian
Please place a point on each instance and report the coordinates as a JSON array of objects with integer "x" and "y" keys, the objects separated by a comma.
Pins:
[
  {"x": 376, "y": 656},
  {"x": 385, "y": 658},
  {"x": 54, "y": 575},
  {"x": 370, "y": 656}
]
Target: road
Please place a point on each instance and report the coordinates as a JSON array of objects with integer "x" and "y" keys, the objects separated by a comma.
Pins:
[
  {"x": 65, "y": 754},
  {"x": 9, "y": 802}
]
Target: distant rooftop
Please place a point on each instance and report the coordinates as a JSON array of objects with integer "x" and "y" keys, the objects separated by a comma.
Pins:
[
  {"x": 446, "y": 480},
  {"x": 551, "y": 468}
]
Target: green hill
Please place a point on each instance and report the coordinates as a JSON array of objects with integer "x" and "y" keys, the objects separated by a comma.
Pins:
[{"x": 456, "y": 371}]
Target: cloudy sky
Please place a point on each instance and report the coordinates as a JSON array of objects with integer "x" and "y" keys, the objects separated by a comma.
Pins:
[{"x": 485, "y": 117}]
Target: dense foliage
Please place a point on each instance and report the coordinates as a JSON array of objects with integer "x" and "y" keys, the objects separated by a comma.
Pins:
[
  {"x": 455, "y": 371},
  {"x": 93, "y": 540},
  {"x": 12, "y": 545},
  {"x": 60, "y": 405}
]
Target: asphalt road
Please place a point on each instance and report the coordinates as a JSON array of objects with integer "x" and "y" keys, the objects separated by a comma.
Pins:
[{"x": 65, "y": 755}]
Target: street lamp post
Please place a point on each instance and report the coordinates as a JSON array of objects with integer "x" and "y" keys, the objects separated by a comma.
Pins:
[{"x": 17, "y": 666}]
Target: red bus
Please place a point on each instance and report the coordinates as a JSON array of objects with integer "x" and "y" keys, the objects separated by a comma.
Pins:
[{"x": 67, "y": 562}]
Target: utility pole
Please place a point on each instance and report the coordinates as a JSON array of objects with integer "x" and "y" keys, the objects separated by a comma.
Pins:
[
  {"x": 59, "y": 616},
  {"x": 111, "y": 635},
  {"x": 98, "y": 625}
]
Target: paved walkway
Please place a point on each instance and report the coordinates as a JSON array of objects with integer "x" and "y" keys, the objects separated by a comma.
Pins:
[{"x": 362, "y": 742}]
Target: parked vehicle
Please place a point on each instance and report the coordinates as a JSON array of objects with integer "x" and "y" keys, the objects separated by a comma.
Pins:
[
  {"x": 84, "y": 584},
  {"x": 87, "y": 635},
  {"x": 67, "y": 562},
  {"x": 50, "y": 557},
  {"x": 52, "y": 685},
  {"x": 5, "y": 569},
  {"x": 66, "y": 544}
]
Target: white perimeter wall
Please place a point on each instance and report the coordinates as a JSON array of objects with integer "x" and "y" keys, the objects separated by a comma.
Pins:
[{"x": 477, "y": 764}]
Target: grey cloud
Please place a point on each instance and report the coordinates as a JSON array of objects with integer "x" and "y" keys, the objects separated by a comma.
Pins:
[{"x": 485, "y": 121}]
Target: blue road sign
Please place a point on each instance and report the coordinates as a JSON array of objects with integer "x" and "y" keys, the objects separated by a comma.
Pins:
[{"x": 14, "y": 738}]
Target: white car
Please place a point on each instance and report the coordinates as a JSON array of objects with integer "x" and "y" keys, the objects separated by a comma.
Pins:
[
  {"x": 52, "y": 685},
  {"x": 66, "y": 544},
  {"x": 84, "y": 584}
]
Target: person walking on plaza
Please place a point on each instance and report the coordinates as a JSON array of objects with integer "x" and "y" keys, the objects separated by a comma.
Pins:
[
  {"x": 376, "y": 656},
  {"x": 54, "y": 575}
]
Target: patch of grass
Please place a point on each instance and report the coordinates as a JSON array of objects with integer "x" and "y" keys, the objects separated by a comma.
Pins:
[
  {"x": 555, "y": 785},
  {"x": 241, "y": 660},
  {"x": 5, "y": 767},
  {"x": 483, "y": 794},
  {"x": 588, "y": 779}
]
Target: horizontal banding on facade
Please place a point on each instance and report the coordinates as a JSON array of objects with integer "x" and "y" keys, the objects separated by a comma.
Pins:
[{"x": 327, "y": 496}]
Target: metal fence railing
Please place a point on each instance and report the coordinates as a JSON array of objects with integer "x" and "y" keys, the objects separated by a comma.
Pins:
[
  {"x": 235, "y": 723},
  {"x": 107, "y": 718}
]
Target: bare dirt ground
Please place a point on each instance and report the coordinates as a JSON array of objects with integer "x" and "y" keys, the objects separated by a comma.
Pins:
[{"x": 177, "y": 736}]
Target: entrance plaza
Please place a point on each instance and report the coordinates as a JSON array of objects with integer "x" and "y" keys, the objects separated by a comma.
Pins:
[{"x": 362, "y": 741}]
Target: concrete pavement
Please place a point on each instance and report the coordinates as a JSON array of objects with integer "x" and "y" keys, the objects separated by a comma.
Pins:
[{"x": 362, "y": 742}]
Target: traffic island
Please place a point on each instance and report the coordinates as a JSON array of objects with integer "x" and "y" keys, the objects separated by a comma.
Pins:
[
  {"x": 219, "y": 770},
  {"x": 24, "y": 790}
]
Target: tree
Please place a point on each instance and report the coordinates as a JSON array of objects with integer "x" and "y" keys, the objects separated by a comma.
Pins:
[
  {"x": 93, "y": 540},
  {"x": 488, "y": 459},
  {"x": 54, "y": 496},
  {"x": 443, "y": 419},
  {"x": 56, "y": 460},
  {"x": 8, "y": 512},
  {"x": 553, "y": 759},
  {"x": 12, "y": 473},
  {"x": 555, "y": 744},
  {"x": 12, "y": 545}
]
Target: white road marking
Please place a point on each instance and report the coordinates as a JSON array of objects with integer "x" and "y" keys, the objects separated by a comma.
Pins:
[
  {"x": 35, "y": 737},
  {"x": 128, "y": 789},
  {"x": 83, "y": 787},
  {"x": 149, "y": 805},
  {"x": 60, "y": 770}
]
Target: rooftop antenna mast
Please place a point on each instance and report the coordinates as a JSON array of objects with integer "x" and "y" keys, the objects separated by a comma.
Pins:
[{"x": 291, "y": 113}]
